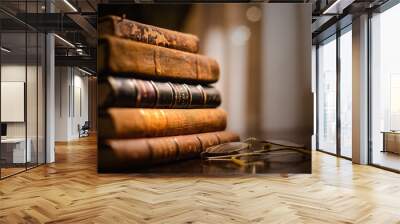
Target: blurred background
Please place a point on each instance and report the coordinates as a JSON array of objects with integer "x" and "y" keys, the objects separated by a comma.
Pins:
[{"x": 264, "y": 52}]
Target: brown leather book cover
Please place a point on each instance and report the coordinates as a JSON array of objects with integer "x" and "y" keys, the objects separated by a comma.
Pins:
[
  {"x": 130, "y": 92},
  {"x": 149, "y": 151},
  {"x": 140, "y": 122},
  {"x": 124, "y": 28},
  {"x": 131, "y": 58}
]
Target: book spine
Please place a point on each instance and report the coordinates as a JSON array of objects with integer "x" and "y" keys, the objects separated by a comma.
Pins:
[
  {"x": 139, "y": 122},
  {"x": 124, "y": 28},
  {"x": 127, "y": 92},
  {"x": 131, "y": 58},
  {"x": 148, "y": 151}
]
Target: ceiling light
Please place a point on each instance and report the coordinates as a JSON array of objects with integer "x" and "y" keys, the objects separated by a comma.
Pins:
[
  {"x": 70, "y": 5},
  {"x": 79, "y": 51},
  {"x": 5, "y": 50},
  {"x": 337, "y": 7},
  {"x": 84, "y": 71},
  {"x": 65, "y": 41}
]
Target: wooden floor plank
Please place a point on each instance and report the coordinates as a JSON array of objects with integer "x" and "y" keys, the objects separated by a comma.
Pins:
[{"x": 71, "y": 191}]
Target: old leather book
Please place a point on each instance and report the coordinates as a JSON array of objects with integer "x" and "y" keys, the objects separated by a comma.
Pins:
[
  {"x": 127, "y": 57},
  {"x": 139, "y": 122},
  {"x": 129, "y": 92},
  {"x": 149, "y": 151},
  {"x": 124, "y": 28}
]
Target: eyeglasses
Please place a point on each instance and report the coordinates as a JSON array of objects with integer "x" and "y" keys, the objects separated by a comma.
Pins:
[{"x": 252, "y": 151}]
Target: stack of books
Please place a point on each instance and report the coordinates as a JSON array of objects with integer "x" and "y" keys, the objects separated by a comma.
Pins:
[{"x": 156, "y": 104}]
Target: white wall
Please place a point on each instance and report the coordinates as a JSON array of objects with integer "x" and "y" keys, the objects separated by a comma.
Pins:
[
  {"x": 12, "y": 73},
  {"x": 80, "y": 110},
  {"x": 62, "y": 81},
  {"x": 71, "y": 102}
]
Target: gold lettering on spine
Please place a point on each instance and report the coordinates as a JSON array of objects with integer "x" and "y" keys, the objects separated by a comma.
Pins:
[
  {"x": 156, "y": 103},
  {"x": 173, "y": 95},
  {"x": 189, "y": 94},
  {"x": 203, "y": 94},
  {"x": 143, "y": 95},
  {"x": 138, "y": 95},
  {"x": 134, "y": 88}
]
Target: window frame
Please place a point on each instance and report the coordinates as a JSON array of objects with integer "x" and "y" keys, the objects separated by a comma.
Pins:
[
  {"x": 27, "y": 29},
  {"x": 334, "y": 37},
  {"x": 378, "y": 10}
]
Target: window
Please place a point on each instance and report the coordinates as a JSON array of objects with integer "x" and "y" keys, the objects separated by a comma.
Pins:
[
  {"x": 326, "y": 139},
  {"x": 335, "y": 74},
  {"x": 346, "y": 93},
  {"x": 385, "y": 89},
  {"x": 22, "y": 101},
  {"x": 394, "y": 102}
]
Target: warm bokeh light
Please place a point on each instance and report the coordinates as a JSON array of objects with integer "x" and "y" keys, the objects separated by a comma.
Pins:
[
  {"x": 253, "y": 14},
  {"x": 240, "y": 35}
]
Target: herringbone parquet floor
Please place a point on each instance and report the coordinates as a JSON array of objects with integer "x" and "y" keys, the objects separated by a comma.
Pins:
[{"x": 70, "y": 191}]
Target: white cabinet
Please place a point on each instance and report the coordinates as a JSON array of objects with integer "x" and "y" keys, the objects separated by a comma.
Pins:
[{"x": 17, "y": 146}]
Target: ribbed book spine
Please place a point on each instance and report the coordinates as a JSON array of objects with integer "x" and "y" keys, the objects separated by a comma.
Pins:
[
  {"x": 137, "y": 123},
  {"x": 128, "y": 92},
  {"x": 131, "y": 58},
  {"x": 133, "y": 153},
  {"x": 124, "y": 28}
]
